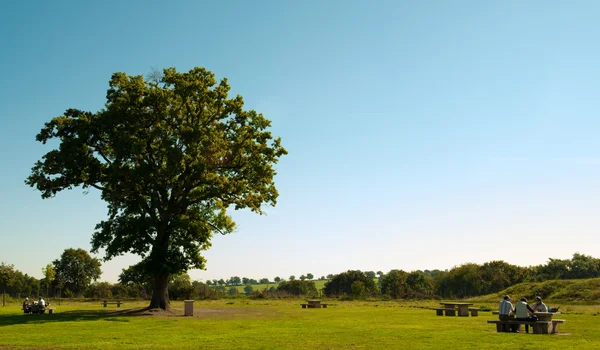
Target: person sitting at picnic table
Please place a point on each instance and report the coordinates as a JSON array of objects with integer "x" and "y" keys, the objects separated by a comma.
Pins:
[
  {"x": 41, "y": 302},
  {"x": 506, "y": 312},
  {"x": 26, "y": 306},
  {"x": 524, "y": 312},
  {"x": 539, "y": 306}
]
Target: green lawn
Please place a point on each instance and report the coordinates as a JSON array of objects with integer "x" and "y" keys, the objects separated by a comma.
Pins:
[{"x": 268, "y": 324}]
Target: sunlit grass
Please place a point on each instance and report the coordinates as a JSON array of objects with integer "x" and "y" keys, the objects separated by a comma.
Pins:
[{"x": 282, "y": 324}]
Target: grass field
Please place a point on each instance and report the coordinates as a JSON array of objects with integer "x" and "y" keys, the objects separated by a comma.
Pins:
[
  {"x": 319, "y": 284},
  {"x": 268, "y": 324}
]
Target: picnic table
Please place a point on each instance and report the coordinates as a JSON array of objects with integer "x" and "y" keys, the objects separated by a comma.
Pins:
[
  {"x": 545, "y": 324},
  {"x": 313, "y": 304},
  {"x": 545, "y": 316},
  {"x": 450, "y": 309},
  {"x": 38, "y": 309}
]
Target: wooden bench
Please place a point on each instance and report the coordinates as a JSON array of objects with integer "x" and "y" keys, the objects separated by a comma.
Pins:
[
  {"x": 304, "y": 306},
  {"x": 118, "y": 302},
  {"x": 474, "y": 311},
  {"x": 50, "y": 311},
  {"x": 539, "y": 327}
]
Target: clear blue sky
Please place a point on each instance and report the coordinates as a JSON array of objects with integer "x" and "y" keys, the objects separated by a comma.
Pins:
[{"x": 421, "y": 134}]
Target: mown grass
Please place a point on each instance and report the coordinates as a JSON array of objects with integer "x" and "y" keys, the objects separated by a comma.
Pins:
[{"x": 282, "y": 324}]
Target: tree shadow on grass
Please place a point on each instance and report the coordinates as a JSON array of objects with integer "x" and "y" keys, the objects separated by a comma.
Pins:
[{"x": 81, "y": 315}]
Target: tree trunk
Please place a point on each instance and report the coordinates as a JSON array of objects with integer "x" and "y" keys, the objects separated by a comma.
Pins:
[{"x": 160, "y": 295}]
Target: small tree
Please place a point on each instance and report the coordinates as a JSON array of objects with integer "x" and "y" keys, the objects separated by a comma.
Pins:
[
  {"x": 292, "y": 277},
  {"x": 277, "y": 279},
  {"x": 264, "y": 281},
  {"x": 302, "y": 278},
  {"x": 49, "y": 274},
  {"x": 310, "y": 276},
  {"x": 248, "y": 290}
]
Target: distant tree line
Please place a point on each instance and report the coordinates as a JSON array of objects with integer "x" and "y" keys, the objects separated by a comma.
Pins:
[
  {"x": 72, "y": 275},
  {"x": 462, "y": 281}
]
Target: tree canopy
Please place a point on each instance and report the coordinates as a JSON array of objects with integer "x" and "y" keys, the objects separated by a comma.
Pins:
[
  {"x": 76, "y": 269},
  {"x": 170, "y": 155}
]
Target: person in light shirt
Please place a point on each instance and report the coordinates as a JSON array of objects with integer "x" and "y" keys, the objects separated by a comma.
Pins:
[
  {"x": 506, "y": 312},
  {"x": 41, "y": 302},
  {"x": 524, "y": 312},
  {"x": 539, "y": 306}
]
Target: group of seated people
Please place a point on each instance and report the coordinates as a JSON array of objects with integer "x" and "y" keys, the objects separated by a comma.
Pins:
[
  {"x": 521, "y": 311},
  {"x": 27, "y": 306}
]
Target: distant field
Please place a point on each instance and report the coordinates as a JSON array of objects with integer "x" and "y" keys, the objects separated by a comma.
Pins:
[
  {"x": 282, "y": 324},
  {"x": 318, "y": 283}
]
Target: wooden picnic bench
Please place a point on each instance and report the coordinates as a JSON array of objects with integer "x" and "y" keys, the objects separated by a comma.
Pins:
[
  {"x": 450, "y": 309},
  {"x": 314, "y": 304},
  {"x": 539, "y": 327},
  {"x": 118, "y": 302}
]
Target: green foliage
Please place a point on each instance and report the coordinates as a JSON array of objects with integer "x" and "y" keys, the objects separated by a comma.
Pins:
[
  {"x": 169, "y": 156},
  {"x": 393, "y": 284},
  {"x": 75, "y": 270},
  {"x": 180, "y": 287},
  {"x": 341, "y": 284},
  {"x": 232, "y": 291},
  {"x": 419, "y": 285},
  {"x": 310, "y": 276},
  {"x": 99, "y": 290},
  {"x": 6, "y": 274},
  {"x": 248, "y": 290},
  {"x": 49, "y": 274},
  {"x": 358, "y": 289},
  {"x": 137, "y": 275},
  {"x": 297, "y": 287}
]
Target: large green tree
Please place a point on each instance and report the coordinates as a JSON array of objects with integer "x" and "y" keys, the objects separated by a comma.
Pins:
[
  {"x": 170, "y": 155},
  {"x": 76, "y": 269}
]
